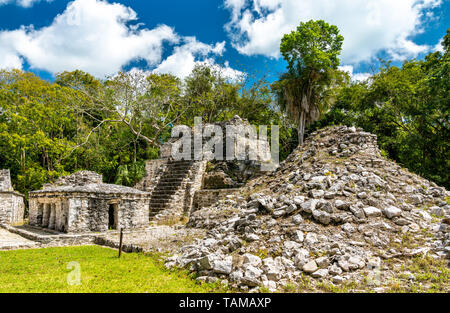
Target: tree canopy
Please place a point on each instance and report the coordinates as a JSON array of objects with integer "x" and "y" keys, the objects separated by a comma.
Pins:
[
  {"x": 408, "y": 107},
  {"x": 311, "y": 52}
]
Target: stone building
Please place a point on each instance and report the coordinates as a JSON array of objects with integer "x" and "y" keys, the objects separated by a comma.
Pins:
[
  {"x": 12, "y": 204},
  {"x": 178, "y": 186},
  {"x": 81, "y": 203}
]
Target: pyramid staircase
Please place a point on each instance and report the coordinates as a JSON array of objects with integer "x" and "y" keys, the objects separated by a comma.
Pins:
[{"x": 172, "y": 190}]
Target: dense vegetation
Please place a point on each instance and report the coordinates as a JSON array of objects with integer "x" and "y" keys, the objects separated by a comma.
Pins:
[
  {"x": 49, "y": 129},
  {"x": 408, "y": 107}
]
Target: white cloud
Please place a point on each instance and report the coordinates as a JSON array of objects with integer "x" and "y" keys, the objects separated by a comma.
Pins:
[
  {"x": 354, "y": 76},
  {"x": 183, "y": 59},
  {"x": 192, "y": 52},
  {"x": 89, "y": 35},
  {"x": 93, "y": 35},
  {"x": 22, "y": 3},
  {"x": 368, "y": 26},
  {"x": 439, "y": 47}
]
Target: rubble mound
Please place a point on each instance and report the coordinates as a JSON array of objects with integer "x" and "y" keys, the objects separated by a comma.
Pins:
[{"x": 334, "y": 212}]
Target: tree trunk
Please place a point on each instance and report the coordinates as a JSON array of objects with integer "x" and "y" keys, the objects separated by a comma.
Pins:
[{"x": 301, "y": 127}]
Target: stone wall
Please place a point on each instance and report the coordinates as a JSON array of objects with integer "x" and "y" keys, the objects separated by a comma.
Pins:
[
  {"x": 12, "y": 208},
  {"x": 5, "y": 181},
  {"x": 174, "y": 183},
  {"x": 206, "y": 197},
  {"x": 12, "y": 205},
  {"x": 84, "y": 212},
  {"x": 82, "y": 203},
  {"x": 154, "y": 169}
]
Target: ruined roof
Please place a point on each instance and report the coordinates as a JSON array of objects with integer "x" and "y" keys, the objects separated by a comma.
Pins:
[
  {"x": 86, "y": 182},
  {"x": 80, "y": 178},
  {"x": 5, "y": 181}
]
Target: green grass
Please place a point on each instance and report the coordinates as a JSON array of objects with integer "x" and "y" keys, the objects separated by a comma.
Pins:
[{"x": 45, "y": 270}]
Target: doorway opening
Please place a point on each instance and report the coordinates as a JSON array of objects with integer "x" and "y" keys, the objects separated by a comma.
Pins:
[{"x": 112, "y": 216}]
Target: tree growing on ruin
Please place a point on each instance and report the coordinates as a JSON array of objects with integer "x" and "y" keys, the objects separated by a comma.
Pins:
[{"x": 312, "y": 53}]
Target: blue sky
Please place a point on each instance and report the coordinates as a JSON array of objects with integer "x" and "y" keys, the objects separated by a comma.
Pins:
[{"x": 236, "y": 36}]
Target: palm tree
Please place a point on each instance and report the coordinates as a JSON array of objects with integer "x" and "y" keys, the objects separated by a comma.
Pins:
[{"x": 312, "y": 55}]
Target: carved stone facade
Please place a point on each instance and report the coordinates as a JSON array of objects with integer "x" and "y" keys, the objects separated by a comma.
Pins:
[
  {"x": 12, "y": 204},
  {"x": 82, "y": 203}
]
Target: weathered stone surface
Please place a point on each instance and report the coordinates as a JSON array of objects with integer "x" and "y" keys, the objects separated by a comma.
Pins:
[
  {"x": 309, "y": 205},
  {"x": 87, "y": 205},
  {"x": 322, "y": 262},
  {"x": 310, "y": 267},
  {"x": 252, "y": 260},
  {"x": 392, "y": 211},
  {"x": 322, "y": 217},
  {"x": 371, "y": 211},
  {"x": 252, "y": 276},
  {"x": 364, "y": 212},
  {"x": 223, "y": 266},
  {"x": 322, "y": 273},
  {"x": 12, "y": 205}
]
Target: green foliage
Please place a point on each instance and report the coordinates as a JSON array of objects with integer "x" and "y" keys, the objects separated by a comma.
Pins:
[
  {"x": 408, "y": 108},
  {"x": 130, "y": 175},
  {"x": 113, "y": 126},
  {"x": 314, "y": 46},
  {"x": 306, "y": 90}
]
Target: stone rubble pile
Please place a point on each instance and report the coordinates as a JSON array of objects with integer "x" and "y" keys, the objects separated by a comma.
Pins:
[{"x": 334, "y": 210}]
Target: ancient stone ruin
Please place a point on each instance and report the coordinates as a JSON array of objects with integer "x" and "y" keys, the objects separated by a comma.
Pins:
[
  {"x": 335, "y": 211},
  {"x": 180, "y": 186},
  {"x": 81, "y": 203},
  {"x": 11, "y": 202}
]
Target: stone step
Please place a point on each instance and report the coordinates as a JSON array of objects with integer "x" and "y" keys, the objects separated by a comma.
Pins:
[
  {"x": 161, "y": 198},
  {"x": 159, "y": 207},
  {"x": 167, "y": 188},
  {"x": 171, "y": 184},
  {"x": 165, "y": 191},
  {"x": 154, "y": 213},
  {"x": 176, "y": 174},
  {"x": 173, "y": 177},
  {"x": 160, "y": 202},
  {"x": 174, "y": 180},
  {"x": 181, "y": 161},
  {"x": 164, "y": 196},
  {"x": 179, "y": 166},
  {"x": 169, "y": 180}
]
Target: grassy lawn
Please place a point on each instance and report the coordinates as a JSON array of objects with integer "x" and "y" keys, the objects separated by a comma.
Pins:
[{"x": 45, "y": 270}]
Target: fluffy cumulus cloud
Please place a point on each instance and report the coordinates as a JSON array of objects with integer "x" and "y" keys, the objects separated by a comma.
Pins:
[
  {"x": 97, "y": 37},
  {"x": 439, "y": 47},
  {"x": 368, "y": 26},
  {"x": 354, "y": 76},
  {"x": 22, "y": 3},
  {"x": 192, "y": 52}
]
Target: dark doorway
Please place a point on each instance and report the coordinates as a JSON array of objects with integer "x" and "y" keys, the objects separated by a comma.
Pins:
[
  {"x": 40, "y": 214},
  {"x": 112, "y": 216}
]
